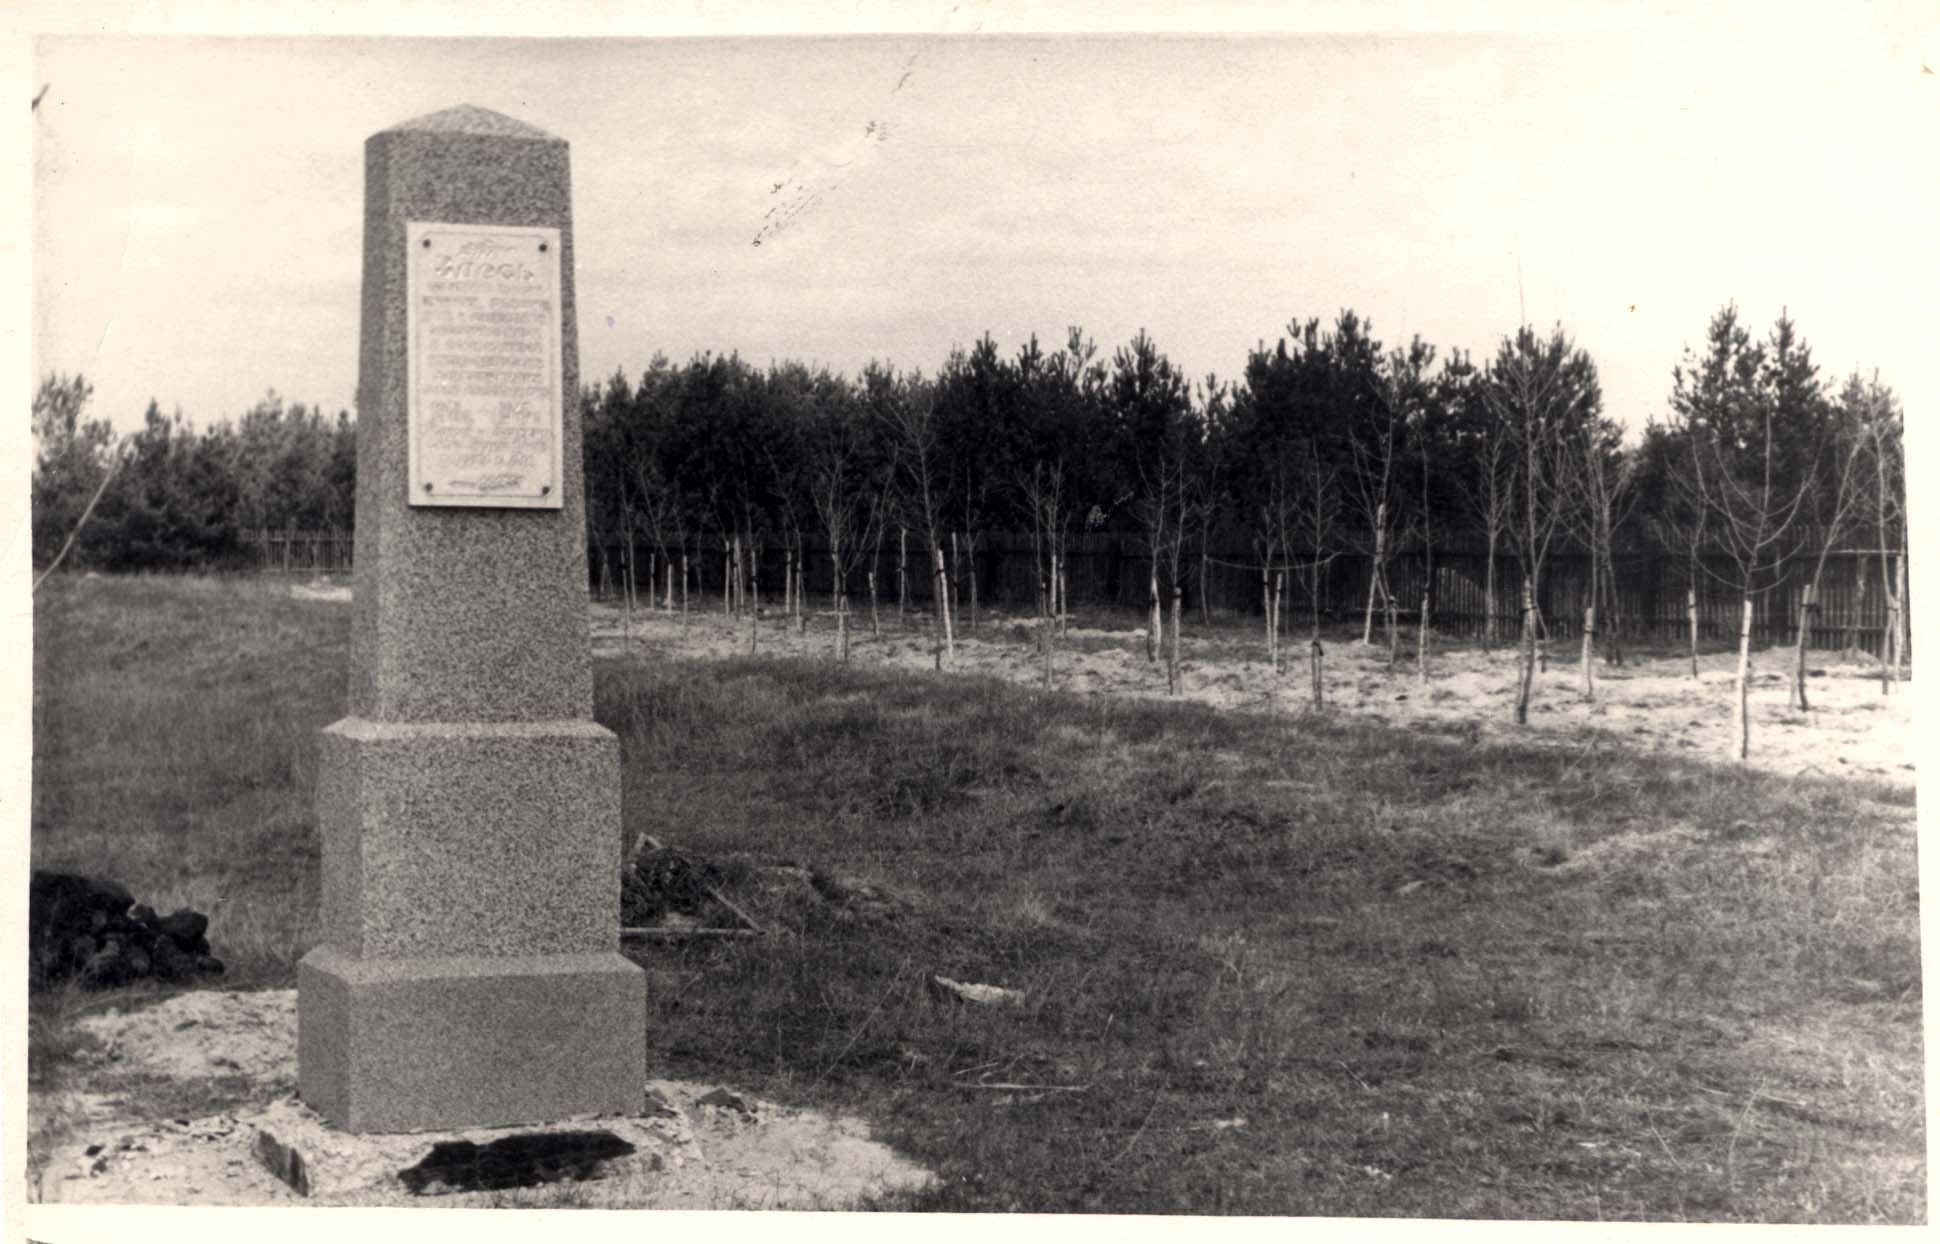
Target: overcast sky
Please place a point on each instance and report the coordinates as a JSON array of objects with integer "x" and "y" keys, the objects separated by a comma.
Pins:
[{"x": 199, "y": 201}]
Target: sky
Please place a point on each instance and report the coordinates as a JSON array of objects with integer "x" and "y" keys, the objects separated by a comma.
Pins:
[{"x": 198, "y": 201}]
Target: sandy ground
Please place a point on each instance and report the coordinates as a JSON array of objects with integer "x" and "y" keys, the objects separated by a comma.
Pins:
[
  {"x": 696, "y": 1147},
  {"x": 1850, "y": 730}
]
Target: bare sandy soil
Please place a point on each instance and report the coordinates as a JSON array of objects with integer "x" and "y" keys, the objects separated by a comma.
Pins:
[
  {"x": 1850, "y": 730},
  {"x": 697, "y": 1147}
]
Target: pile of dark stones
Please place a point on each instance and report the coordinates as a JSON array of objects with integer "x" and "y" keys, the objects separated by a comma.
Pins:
[{"x": 90, "y": 930}]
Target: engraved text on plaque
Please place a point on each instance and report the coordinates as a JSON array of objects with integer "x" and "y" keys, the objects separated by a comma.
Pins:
[{"x": 483, "y": 314}]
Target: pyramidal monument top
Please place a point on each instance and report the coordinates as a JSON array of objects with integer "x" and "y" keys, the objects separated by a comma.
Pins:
[{"x": 471, "y": 119}]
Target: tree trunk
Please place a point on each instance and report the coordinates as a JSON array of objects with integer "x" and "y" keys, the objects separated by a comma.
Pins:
[
  {"x": 727, "y": 580},
  {"x": 788, "y": 583},
  {"x": 1899, "y": 618},
  {"x": 1526, "y": 672},
  {"x": 971, "y": 545},
  {"x": 1394, "y": 630},
  {"x": 1691, "y": 620},
  {"x": 627, "y": 583},
  {"x": 1589, "y": 652},
  {"x": 902, "y": 577},
  {"x": 949, "y": 607},
  {"x": 1155, "y": 631},
  {"x": 1741, "y": 701},
  {"x": 1855, "y": 620},
  {"x": 1205, "y": 603},
  {"x": 1489, "y": 633},
  {"x": 875, "y": 617},
  {"x": 1064, "y": 596},
  {"x": 626, "y": 602},
  {"x": 842, "y": 620},
  {"x": 1886, "y": 629},
  {"x": 1172, "y": 664},
  {"x": 1806, "y": 606},
  {"x": 942, "y": 604},
  {"x": 754, "y": 631},
  {"x": 1421, "y": 643},
  {"x": 1614, "y": 631},
  {"x": 1316, "y": 654},
  {"x": 1374, "y": 571},
  {"x": 1280, "y": 623},
  {"x": 1270, "y": 616},
  {"x": 683, "y": 588},
  {"x": 670, "y": 583},
  {"x": 1905, "y": 611},
  {"x": 1043, "y": 621}
]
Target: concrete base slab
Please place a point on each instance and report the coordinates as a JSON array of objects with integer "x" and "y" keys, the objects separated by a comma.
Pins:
[
  {"x": 327, "y": 1165},
  {"x": 412, "y": 1045}
]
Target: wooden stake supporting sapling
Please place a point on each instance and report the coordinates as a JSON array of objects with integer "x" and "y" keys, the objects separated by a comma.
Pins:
[
  {"x": 1047, "y": 633},
  {"x": 1267, "y": 615},
  {"x": 842, "y": 619},
  {"x": 1276, "y": 601},
  {"x": 1526, "y": 665},
  {"x": 1741, "y": 698},
  {"x": 949, "y": 608},
  {"x": 1394, "y": 632},
  {"x": 1589, "y": 649},
  {"x": 1155, "y": 628},
  {"x": 1898, "y": 619},
  {"x": 1421, "y": 644},
  {"x": 1691, "y": 614},
  {"x": 1858, "y": 613},
  {"x": 1806, "y": 607},
  {"x": 1172, "y": 662}
]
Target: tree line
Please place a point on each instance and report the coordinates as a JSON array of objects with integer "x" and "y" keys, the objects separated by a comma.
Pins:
[
  {"x": 171, "y": 497},
  {"x": 1328, "y": 442}
]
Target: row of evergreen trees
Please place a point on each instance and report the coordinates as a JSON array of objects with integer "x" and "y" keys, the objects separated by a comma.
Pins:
[
  {"x": 1327, "y": 442},
  {"x": 176, "y": 498}
]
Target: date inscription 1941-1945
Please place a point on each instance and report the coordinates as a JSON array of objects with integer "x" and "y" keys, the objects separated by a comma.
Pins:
[{"x": 483, "y": 306}]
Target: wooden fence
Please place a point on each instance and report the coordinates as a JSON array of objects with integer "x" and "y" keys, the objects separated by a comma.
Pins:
[
  {"x": 301, "y": 552},
  {"x": 1113, "y": 570}
]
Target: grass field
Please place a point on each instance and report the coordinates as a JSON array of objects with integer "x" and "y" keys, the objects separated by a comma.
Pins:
[{"x": 1289, "y": 965}]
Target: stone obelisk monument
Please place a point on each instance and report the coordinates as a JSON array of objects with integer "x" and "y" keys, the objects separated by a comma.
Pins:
[{"x": 469, "y": 972}]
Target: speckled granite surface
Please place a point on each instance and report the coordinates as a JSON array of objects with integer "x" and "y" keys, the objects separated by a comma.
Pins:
[
  {"x": 462, "y": 614},
  {"x": 468, "y": 806}
]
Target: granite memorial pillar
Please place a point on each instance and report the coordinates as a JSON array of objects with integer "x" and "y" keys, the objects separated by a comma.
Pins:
[{"x": 469, "y": 972}]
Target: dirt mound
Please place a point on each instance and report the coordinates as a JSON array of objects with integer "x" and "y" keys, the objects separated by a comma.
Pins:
[{"x": 91, "y": 930}]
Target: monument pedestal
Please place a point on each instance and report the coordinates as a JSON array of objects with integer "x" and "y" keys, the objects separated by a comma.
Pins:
[
  {"x": 469, "y": 975},
  {"x": 397, "y": 1045}
]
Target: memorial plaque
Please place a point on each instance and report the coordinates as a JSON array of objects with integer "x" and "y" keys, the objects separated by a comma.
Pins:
[{"x": 485, "y": 388}]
